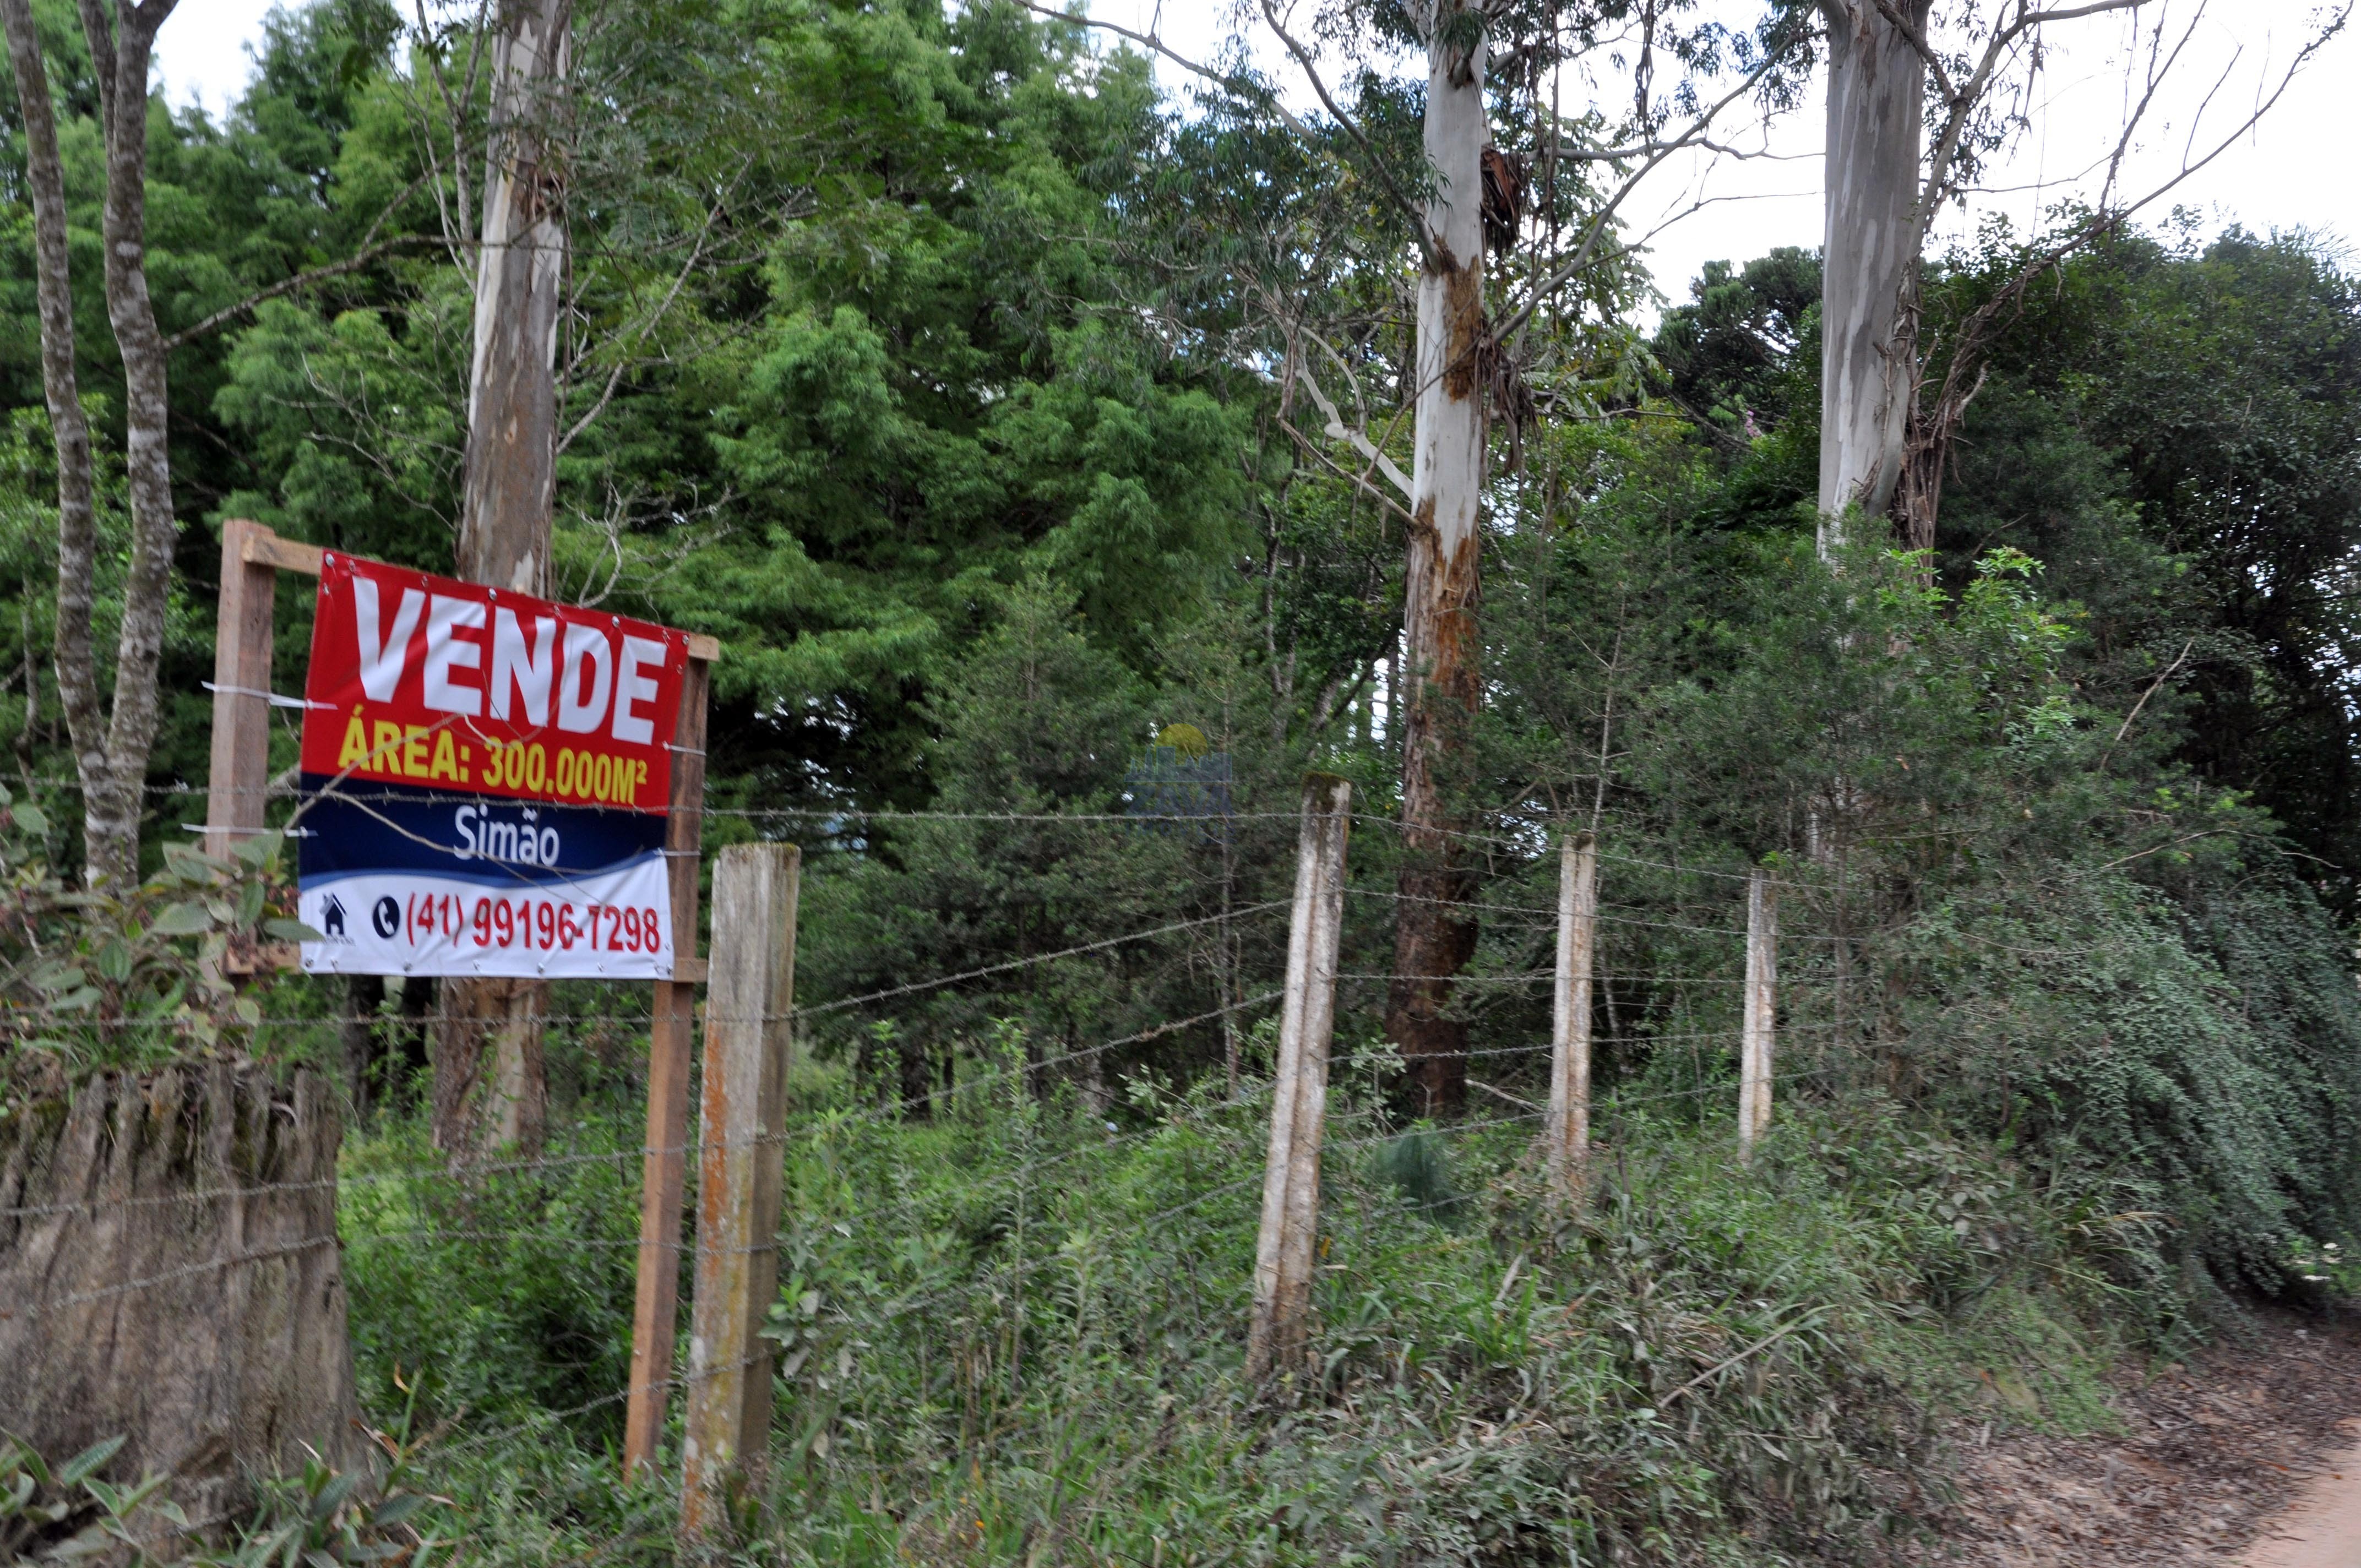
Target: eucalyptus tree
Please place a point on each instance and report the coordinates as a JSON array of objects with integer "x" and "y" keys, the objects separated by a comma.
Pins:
[
  {"x": 1549, "y": 206},
  {"x": 1443, "y": 182},
  {"x": 1896, "y": 68},
  {"x": 585, "y": 171},
  {"x": 509, "y": 487}
]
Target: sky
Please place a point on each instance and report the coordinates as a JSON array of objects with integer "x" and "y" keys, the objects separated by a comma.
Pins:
[{"x": 2295, "y": 170}]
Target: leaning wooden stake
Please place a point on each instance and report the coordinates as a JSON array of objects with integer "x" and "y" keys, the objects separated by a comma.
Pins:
[
  {"x": 1756, "y": 1012},
  {"x": 1567, "y": 1132},
  {"x": 750, "y": 989},
  {"x": 672, "y": 1029},
  {"x": 1279, "y": 1334}
]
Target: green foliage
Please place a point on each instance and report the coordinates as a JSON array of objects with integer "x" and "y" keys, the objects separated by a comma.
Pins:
[
  {"x": 1733, "y": 359},
  {"x": 958, "y": 383},
  {"x": 68, "y": 1513},
  {"x": 2191, "y": 1065},
  {"x": 1007, "y": 1327},
  {"x": 90, "y": 980},
  {"x": 324, "y": 1517},
  {"x": 494, "y": 1297}
]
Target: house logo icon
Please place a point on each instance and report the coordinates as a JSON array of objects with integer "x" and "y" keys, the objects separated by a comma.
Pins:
[{"x": 332, "y": 916}]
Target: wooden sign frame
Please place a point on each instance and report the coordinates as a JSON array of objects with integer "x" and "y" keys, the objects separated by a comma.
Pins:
[{"x": 252, "y": 558}]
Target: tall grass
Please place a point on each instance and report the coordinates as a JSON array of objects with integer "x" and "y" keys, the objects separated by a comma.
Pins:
[{"x": 1013, "y": 1333}]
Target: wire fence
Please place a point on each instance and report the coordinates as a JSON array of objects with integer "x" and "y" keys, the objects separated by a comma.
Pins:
[
  {"x": 1677, "y": 964},
  {"x": 1536, "y": 834}
]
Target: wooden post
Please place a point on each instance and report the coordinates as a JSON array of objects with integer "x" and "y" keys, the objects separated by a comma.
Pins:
[
  {"x": 664, "y": 1162},
  {"x": 241, "y": 748},
  {"x": 251, "y": 556},
  {"x": 1566, "y": 1134},
  {"x": 740, "y": 1171},
  {"x": 1279, "y": 1333},
  {"x": 1754, "y": 1044}
]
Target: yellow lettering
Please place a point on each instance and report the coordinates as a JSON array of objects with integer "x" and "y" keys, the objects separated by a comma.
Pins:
[
  {"x": 385, "y": 749},
  {"x": 355, "y": 746},
  {"x": 414, "y": 750},
  {"x": 447, "y": 756}
]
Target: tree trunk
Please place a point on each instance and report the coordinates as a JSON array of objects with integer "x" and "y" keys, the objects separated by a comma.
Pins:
[
  {"x": 505, "y": 523},
  {"x": 504, "y": 526},
  {"x": 110, "y": 754},
  {"x": 491, "y": 1086},
  {"x": 169, "y": 1272},
  {"x": 364, "y": 1050},
  {"x": 1868, "y": 309},
  {"x": 418, "y": 1008},
  {"x": 1433, "y": 936},
  {"x": 916, "y": 1075}
]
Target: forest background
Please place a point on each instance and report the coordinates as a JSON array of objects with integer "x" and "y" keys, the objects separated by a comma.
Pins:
[{"x": 959, "y": 382}]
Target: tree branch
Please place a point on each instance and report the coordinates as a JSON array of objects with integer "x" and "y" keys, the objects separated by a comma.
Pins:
[
  {"x": 302, "y": 280},
  {"x": 1517, "y": 320},
  {"x": 1243, "y": 86},
  {"x": 615, "y": 376},
  {"x": 1426, "y": 247},
  {"x": 1358, "y": 481},
  {"x": 2154, "y": 686},
  {"x": 1337, "y": 430}
]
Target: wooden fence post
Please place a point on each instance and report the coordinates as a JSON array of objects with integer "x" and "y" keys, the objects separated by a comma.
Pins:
[
  {"x": 664, "y": 1162},
  {"x": 1754, "y": 1042},
  {"x": 740, "y": 1171},
  {"x": 1279, "y": 1333},
  {"x": 241, "y": 742},
  {"x": 1567, "y": 1129}
]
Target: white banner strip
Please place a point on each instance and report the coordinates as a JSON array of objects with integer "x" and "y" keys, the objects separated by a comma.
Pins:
[{"x": 611, "y": 926}]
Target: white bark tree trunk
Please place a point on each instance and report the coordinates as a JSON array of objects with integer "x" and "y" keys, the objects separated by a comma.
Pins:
[
  {"x": 506, "y": 518},
  {"x": 1433, "y": 937},
  {"x": 1869, "y": 361}
]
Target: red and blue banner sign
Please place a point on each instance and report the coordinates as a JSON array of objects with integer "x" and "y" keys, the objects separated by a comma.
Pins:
[{"x": 487, "y": 778}]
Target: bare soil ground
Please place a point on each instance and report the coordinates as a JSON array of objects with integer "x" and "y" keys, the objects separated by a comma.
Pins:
[{"x": 2214, "y": 1453}]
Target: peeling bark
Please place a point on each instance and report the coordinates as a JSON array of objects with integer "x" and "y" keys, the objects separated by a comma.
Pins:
[
  {"x": 505, "y": 524},
  {"x": 1433, "y": 936},
  {"x": 1869, "y": 362}
]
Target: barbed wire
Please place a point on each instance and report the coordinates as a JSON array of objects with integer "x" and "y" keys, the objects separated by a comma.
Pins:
[
  {"x": 1544, "y": 833},
  {"x": 1539, "y": 976},
  {"x": 1607, "y": 1103},
  {"x": 1530, "y": 844},
  {"x": 1546, "y": 917},
  {"x": 892, "y": 1111},
  {"x": 461, "y": 1170},
  {"x": 41, "y": 1304},
  {"x": 917, "y": 985}
]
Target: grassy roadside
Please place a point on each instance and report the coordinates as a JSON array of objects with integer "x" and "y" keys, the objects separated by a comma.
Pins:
[{"x": 1012, "y": 1334}]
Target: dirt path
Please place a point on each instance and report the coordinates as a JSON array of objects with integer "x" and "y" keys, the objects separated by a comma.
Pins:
[
  {"x": 2250, "y": 1441},
  {"x": 2323, "y": 1528}
]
